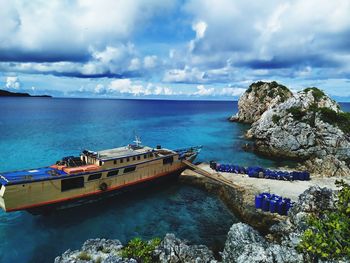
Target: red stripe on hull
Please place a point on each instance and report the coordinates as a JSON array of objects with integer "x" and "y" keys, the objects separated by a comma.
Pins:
[{"x": 92, "y": 193}]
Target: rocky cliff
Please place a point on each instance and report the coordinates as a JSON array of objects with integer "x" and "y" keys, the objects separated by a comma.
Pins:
[
  {"x": 243, "y": 244},
  {"x": 307, "y": 126},
  {"x": 259, "y": 97}
]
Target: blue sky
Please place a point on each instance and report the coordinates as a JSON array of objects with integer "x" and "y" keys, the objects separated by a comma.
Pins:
[{"x": 195, "y": 49}]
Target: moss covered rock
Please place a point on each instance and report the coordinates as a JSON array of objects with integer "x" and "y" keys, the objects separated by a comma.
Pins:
[{"x": 259, "y": 97}]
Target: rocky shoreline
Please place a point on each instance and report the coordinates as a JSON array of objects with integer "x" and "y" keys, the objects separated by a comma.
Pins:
[{"x": 243, "y": 243}]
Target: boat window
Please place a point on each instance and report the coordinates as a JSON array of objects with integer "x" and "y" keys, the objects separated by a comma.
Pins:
[
  {"x": 145, "y": 156},
  {"x": 112, "y": 173},
  {"x": 100, "y": 163},
  {"x": 138, "y": 157},
  {"x": 129, "y": 169},
  {"x": 168, "y": 160},
  {"x": 115, "y": 162},
  {"x": 94, "y": 176},
  {"x": 72, "y": 183},
  {"x": 150, "y": 155},
  {"x": 128, "y": 159},
  {"x": 121, "y": 160}
]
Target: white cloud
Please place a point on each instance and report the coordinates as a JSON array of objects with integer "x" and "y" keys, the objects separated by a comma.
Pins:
[
  {"x": 232, "y": 91},
  {"x": 126, "y": 86},
  {"x": 12, "y": 83},
  {"x": 100, "y": 88},
  {"x": 150, "y": 62},
  {"x": 200, "y": 27},
  {"x": 184, "y": 75},
  {"x": 82, "y": 24},
  {"x": 203, "y": 91},
  {"x": 135, "y": 64}
]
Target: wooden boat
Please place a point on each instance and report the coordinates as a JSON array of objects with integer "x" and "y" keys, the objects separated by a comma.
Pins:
[{"x": 91, "y": 176}]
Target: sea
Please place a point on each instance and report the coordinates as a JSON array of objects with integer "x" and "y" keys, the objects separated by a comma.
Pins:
[{"x": 37, "y": 132}]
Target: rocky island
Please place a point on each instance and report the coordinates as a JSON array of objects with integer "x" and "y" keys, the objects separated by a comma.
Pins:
[
  {"x": 307, "y": 126},
  {"x": 5, "y": 93}
]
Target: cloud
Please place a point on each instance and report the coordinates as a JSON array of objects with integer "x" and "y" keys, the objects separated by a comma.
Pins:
[
  {"x": 186, "y": 75},
  {"x": 150, "y": 62},
  {"x": 12, "y": 83},
  {"x": 82, "y": 24},
  {"x": 203, "y": 91}
]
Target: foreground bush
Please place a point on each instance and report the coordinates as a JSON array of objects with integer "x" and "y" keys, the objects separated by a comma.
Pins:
[
  {"x": 140, "y": 250},
  {"x": 328, "y": 237}
]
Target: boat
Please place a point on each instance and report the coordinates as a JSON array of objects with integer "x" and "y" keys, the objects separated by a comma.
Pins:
[{"x": 92, "y": 175}]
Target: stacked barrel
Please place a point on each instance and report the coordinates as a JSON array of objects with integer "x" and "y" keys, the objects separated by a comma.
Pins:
[
  {"x": 259, "y": 172},
  {"x": 273, "y": 203}
]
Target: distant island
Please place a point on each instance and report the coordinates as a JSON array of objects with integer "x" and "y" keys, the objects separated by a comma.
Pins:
[{"x": 5, "y": 93}]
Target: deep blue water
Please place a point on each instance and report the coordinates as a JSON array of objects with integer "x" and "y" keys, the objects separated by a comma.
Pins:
[{"x": 36, "y": 132}]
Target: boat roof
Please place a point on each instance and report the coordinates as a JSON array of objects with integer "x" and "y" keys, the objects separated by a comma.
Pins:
[
  {"x": 125, "y": 151},
  {"x": 30, "y": 175}
]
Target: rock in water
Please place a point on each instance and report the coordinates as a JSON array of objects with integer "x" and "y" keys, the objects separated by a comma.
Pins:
[
  {"x": 307, "y": 126},
  {"x": 259, "y": 97}
]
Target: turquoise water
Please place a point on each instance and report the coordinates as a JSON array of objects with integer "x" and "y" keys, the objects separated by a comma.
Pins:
[{"x": 36, "y": 132}]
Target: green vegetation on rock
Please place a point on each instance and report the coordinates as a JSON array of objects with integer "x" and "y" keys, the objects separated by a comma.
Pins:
[
  {"x": 297, "y": 112},
  {"x": 84, "y": 256},
  {"x": 276, "y": 118},
  {"x": 275, "y": 90},
  {"x": 140, "y": 250},
  {"x": 317, "y": 93},
  {"x": 339, "y": 119},
  {"x": 328, "y": 235}
]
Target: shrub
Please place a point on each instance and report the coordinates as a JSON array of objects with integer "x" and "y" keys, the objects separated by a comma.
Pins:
[
  {"x": 340, "y": 119},
  {"x": 328, "y": 237},
  {"x": 275, "y": 118},
  {"x": 140, "y": 250},
  {"x": 317, "y": 93},
  {"x": 84, "y": 256},
  {"x": 296, "y": 112}
]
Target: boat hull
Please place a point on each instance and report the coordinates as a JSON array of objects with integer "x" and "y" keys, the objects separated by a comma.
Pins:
[{"x": 67, "y": 204}]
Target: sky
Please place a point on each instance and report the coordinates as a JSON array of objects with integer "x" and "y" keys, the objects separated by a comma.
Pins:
[{"x": 195, "y": 49}]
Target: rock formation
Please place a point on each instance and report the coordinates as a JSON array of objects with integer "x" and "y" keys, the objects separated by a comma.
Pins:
[
  {"x": 308, "y": 126},
  {"x": 259, "y": 97},
  {"x": 243, "y": 243},
  {"x": 170, "y": 250}
]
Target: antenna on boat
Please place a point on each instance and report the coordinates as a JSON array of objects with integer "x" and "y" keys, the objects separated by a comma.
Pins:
[{"x": 137, "y": 141}]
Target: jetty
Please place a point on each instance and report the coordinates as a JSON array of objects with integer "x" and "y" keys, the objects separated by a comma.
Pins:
[
  {"x": 213, "y": 176},
  {"x": 289, "y": 189}
]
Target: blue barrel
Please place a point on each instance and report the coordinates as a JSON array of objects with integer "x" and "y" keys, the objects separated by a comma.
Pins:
[
  {"x": 273, "y": 206},
  {"x": 266, "y": 204},
  {"x": 301, "y": 176},
  {"x": 281, "y": 208},
  {"x": 295, "y": 175},
  {"x": 306, "y": 176},
  {"x": 288, "y": 206},
  {"x": 258, "y": 201}
]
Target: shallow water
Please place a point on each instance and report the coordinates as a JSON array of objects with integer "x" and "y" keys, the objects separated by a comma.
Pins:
[{"x": 36, "y": 132}]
